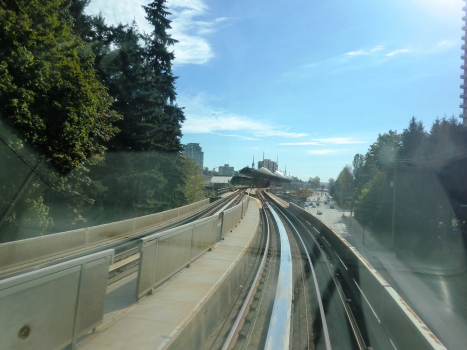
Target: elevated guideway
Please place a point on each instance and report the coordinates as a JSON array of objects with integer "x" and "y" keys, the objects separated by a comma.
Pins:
[
  {"x": 250, "y": 272},
  {"x": 378, "y": 315},
  {"x": 30, "y": 254},
  {"x": 182, "y": 312},
  {"x": 162, "y": 258}
]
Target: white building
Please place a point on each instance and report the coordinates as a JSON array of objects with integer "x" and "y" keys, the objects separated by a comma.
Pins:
[
  {"x": 195, "y": 152},
  {"x": 268, "y": 164},
  {"x": 226, "y": 170},
  {"x": 220, "y": 181}
]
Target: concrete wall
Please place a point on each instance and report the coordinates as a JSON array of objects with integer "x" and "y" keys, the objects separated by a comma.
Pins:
[{"x": 407, "y": 331}]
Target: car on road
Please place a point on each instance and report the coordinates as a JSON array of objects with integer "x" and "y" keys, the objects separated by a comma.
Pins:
[
  {"x": 319, "y": 212},
  {"x": 331, "y": 206},
  {"x": 313, "y": 205}
]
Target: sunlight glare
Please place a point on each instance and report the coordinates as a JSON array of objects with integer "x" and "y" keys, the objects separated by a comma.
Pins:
[{"x": 442, "y": 8}]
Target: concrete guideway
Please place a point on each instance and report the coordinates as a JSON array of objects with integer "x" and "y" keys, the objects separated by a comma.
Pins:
[
  {"x": 411, "y": 319},
  {"x": 443, "y": 310},
  {"x": 374, "y": 297},
  {"x": 279, "y": 328},
  {"x": 182, "y": 312}
]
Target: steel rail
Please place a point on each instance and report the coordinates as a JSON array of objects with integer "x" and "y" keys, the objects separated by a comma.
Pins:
[
  {"x": 348, "y": 311},
  {"x": 229, "y": 203},
  {"x": 124, "y": 271},
  {"x": 230, "y": 341},
  {"x": 278, "y": 336},
  {"x": 269, "y": 270},
  {"x": 324, "y": 324},
  {"x": 120, "y": 244}
]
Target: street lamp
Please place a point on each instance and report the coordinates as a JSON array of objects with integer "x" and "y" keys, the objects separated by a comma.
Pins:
[{"x": 393, "y": 185}]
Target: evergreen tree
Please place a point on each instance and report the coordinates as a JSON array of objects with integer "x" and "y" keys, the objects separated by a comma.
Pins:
[
  {"x": 48, "y": 90},
  {"x": 143, "y": 171},
  {"x": 413, "y": 140},
  {"x": 164, "y": 128}
]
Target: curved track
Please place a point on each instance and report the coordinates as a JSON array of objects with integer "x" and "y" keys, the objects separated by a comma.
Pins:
[
  {"x": 126, "y": 246},
  {"x": 342, "y": 318}
]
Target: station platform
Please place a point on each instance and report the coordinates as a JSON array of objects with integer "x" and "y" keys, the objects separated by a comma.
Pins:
[
  {"x": 279, "y": 201},
  {"x": 182, "y": 312}
]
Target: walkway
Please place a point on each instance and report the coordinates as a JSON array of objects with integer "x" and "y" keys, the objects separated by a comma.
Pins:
[{"x": 164, "y": 319}]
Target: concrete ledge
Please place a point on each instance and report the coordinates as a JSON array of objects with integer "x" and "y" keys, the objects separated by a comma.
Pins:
[{"x": 276, "y": 199}]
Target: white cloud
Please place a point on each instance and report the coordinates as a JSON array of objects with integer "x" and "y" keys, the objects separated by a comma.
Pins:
[
  {"x": 310, "y": 143},
  {"x": 365, "y": 53},
  {"x": 321, "y": 142},
  {"x": 121, "y": 11},
  {"x": 447, "y": 9},
  {"x": 396, "y": 52},
  {"x": 239, "y": 136},
  {"x": 357, "y": 53},
  {"x": 445, "y": 44},
  {"x": 202, "y": 117},
  {"x": 376, "y": 51},
  {"x": 193, "y": 47},
  {"x": 325, "y": 151}
]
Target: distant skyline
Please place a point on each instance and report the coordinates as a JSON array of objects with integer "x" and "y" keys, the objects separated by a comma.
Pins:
[{"x": 311, "y": 82}]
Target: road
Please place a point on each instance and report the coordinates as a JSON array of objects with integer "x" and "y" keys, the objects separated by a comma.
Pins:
[{"x": 440, "y": 301}]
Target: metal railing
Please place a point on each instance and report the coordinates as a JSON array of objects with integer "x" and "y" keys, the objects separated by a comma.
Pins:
[
  {"x": 53, "y": 306},
  {"x": 231, "y": 217},
  {"x": 20, "y": 252}
]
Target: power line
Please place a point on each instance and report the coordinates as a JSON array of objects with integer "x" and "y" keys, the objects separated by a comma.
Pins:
[
  {"x": 419, "y": 159},
  {"x": 422, "y": 214}
]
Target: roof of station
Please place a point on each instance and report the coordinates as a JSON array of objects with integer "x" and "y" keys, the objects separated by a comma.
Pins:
[
  {"x": 264, "y": 173},
  {"x": 220, "y": 179}
]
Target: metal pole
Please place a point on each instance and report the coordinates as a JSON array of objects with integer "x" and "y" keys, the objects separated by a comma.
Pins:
[{"x": 394, "y": 204}]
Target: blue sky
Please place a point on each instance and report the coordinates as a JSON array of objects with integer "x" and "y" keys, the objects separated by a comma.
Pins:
[{"x": 310, "y": 82}]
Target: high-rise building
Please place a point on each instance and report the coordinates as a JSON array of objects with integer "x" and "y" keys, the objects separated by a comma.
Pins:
[
  {"x": 226, "y": 170},
  {"x": 464, "y": 69},
  {"x": 195, "y": 152},
  {"x": 268, "y": 164}
]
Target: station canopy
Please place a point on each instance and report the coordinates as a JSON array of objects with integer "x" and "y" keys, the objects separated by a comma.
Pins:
[{"x": 263, "y": 173}]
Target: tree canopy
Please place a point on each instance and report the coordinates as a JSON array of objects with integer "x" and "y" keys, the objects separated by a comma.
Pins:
[
  {"x": 98, "y": 104},
  {"x": 413, "y": 177},
  {"x": 48, "y": 88}
]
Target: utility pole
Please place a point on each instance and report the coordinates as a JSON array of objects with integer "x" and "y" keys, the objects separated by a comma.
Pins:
[{"x": 393, "y": 203}]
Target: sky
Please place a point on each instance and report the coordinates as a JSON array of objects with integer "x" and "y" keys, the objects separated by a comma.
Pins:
[{"x": 311, "y": 83}]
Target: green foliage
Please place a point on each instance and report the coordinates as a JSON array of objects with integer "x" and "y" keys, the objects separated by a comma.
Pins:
[
  {"x": 343, "y": 186},
  {"x": 143, "y": 172},
  {"x": 194, "y": 181},
  {"x": 374, "y": 203},
  {"x": 61, "y": 70},
  {"x": 48, "y": 90},
  {"x": 332, "y": 186},
  {"x": 383, "y": 152},
  {"x": 315, "y": 182},
  {"x": 418, "y": 176}
]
